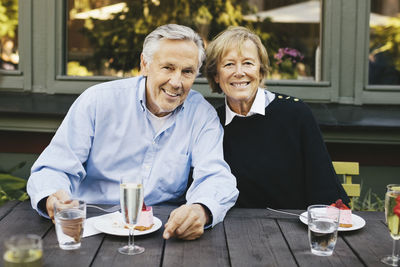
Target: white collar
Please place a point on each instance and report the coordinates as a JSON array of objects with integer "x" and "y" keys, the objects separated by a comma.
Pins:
[{"x": 262, "y": 100}]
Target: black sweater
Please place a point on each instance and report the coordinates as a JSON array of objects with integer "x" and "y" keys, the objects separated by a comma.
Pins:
[{"x": 280, "y": 160}]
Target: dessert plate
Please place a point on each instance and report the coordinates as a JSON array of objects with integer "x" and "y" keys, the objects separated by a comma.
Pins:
[
  {"x": 358, "y": 222},
  {"x": 113, "y": 224}
]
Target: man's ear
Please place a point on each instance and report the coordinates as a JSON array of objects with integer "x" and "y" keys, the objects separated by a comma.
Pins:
[{"x": 143, "y": 66}]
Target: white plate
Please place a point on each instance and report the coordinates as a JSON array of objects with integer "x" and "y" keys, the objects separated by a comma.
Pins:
[
  {"x": 358, "y": 222},
  {"x": 114, "y": 225}
]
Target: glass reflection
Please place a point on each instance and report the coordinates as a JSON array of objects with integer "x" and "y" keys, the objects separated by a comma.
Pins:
[
  {"x": 105, "y": 37},
  {"x": 9, "y": 57},
  {"x": 291, "y": 31},
  {"x": 384, "y": 46}
]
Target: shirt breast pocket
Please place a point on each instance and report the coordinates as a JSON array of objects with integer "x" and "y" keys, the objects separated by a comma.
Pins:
[{"x": 174, "y": 174}]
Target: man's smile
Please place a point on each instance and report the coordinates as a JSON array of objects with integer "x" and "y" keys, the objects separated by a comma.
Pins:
[{"x": 169, "y": 93}]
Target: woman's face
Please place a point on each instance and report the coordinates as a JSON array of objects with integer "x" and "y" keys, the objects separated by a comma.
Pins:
[{"x": 238, "y": 74}]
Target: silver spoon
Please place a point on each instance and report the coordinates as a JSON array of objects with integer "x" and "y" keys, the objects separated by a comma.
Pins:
[{"x": 288, "y": 213}]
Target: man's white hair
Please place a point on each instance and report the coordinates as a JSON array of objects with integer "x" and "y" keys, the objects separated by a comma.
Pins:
[{"x": 171, "y": 32}]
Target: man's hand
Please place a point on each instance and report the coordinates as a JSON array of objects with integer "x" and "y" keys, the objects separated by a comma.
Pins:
[
  {"x": 186, "y": 222},
  {"x": 60, "y": 197}
]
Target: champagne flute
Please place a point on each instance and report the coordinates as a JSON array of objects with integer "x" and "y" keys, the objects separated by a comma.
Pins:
[
  {"x": 392, "y": 214},
  {"x": 131, "y": 199}
]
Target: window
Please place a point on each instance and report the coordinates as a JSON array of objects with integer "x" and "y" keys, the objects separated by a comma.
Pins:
[
  {"x": 15, "y": 45},
  {"x": 384, "y": 47},
  {"x": 291, "y": 32},
  {"x": 105, "y": 37},
  {"x": 9, "y": 57}
]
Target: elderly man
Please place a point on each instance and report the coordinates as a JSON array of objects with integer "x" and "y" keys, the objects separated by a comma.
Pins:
[{"x": 154, "y": 125}]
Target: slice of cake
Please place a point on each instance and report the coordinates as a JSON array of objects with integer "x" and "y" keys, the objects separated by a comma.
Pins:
[
  {"x": 145, "y": 220},
  {"x": 345, "y": 214}
]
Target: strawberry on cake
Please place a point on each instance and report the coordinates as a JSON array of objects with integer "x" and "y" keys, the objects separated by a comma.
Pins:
[
  {"x": 345, "y": 214},
  {"x": 145, "y": 220}
]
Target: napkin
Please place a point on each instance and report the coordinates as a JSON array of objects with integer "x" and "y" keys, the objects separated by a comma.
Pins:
[{"x": 90, "y": 229}]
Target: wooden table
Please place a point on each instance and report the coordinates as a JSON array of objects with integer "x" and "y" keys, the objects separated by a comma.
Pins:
[{"x": 247, "y": 237}]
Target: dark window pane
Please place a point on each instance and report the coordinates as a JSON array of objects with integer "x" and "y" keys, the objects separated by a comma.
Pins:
[
  {"x": 9, "y": 57},
  {"x": 384, "y": 52}
]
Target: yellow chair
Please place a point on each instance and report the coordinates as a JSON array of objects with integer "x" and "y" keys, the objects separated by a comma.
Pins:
[{"x": 347, "y": 169}]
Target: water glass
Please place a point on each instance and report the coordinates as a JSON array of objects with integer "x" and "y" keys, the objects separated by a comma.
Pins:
[
  {"x": 70, "y": 219},
  {"x": 23, "y": 250},
  {"x": 323, "y": 223}
]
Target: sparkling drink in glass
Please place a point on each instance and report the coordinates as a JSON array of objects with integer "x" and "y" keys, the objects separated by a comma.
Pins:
[
  {"x": 392, "y": 214},
  {"x": 323, "y": 223},
  {"x": 131, "y": 199},
  {"x": 69, "y": 220},
  {"x": 23, "y": 250}
]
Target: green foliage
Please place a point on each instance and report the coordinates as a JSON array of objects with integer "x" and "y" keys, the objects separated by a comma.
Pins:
[
  {"x": 74, "y": 68},
  {"x": 386, "y": 39},
  {"x": 370, "y": 202},
  {"x": 11, "y": 187},
  {"x": 118, "y": 41},
  {"x": 8, "y": 18}
]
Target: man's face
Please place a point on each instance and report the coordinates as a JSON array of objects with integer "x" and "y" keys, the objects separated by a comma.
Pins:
[{"x": 170, "y": 75}]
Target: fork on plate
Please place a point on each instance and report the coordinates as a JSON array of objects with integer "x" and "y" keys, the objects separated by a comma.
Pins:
[
  {"x": 111, "y": 209},
  {"x": 288, "y": 213}
]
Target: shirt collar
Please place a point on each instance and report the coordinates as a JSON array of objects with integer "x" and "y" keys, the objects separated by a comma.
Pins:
[
  {"x": 258, "y": 107},
  {"x": 142, "y": 92}
]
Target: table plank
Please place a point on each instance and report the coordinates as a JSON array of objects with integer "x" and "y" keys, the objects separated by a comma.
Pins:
[
  {"x": 53, "y": 255},
  {"x": 296, "y": 234},
  {"x": 108, "y": 254},
  {"x": 153, "y": 243},
  {"x": 371, "y": 215},
  {"x": 255, "y": 241},
  {"x": 371, "y": 243},
  {"x": 7, "y": 207},
  {"x": 209, "y": 250}
]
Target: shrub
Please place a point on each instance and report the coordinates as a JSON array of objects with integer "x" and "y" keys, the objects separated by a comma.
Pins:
[
  {"x": 12, "y": 187},
  {"x": 370, "y": 202}
]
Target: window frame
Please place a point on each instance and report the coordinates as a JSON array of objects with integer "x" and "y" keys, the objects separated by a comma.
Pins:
[
  {"x": 316, "y": 91},
  {"x": 370, "y": 94},
  {"x": 344, "y": 57}
]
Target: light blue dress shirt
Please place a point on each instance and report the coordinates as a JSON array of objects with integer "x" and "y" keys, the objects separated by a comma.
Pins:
[{"x": 107, "y": 134}]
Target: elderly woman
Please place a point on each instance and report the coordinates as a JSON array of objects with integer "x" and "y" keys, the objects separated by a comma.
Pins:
[{"x": 272, "y": 141}]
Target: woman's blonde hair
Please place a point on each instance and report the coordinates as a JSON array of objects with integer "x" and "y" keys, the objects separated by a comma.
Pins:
[{"x": 233, "y": 36}]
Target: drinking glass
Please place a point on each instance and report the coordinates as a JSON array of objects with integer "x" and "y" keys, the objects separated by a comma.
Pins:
[
  {"x": 23, "y": 250},
  {"x": 131, "y": 199},
  {"x": 323, "y": 223},
  {"x": 392, "y": 214},
  {"x": 69, "y": 218}
]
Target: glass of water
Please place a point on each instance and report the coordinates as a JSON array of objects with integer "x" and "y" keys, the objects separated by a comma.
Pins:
[
  {"x": 323, "y": 223},
  {"x": 69, "y": 218}
]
